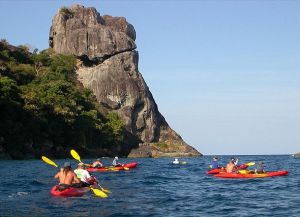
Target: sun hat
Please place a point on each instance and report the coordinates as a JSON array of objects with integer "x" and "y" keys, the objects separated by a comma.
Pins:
[{"x": 67, "y": 164}]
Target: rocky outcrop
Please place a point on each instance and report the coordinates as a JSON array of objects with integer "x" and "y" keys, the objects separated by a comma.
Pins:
[
  {"x": 297, "y": 155},
  {"x": 109, "y": 67},
  {"x": 165, "y": 149},
  {"x": 83, "y": 32}
]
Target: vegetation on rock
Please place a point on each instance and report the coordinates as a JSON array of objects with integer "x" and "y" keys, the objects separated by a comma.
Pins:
[{"x": 44, "y": 109}]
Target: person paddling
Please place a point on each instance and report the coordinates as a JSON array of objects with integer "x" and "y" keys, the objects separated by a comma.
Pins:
[
  {"x": 231, "y": 166},
  {"x": 84, "y": 176},
  {"x": 215, "y": 164},
  {"x": 115, "y": 162},
  {"x": 260, "y": 168},
  {"x": 97, "y": 164},
  {"x": 67, "y": 178}
]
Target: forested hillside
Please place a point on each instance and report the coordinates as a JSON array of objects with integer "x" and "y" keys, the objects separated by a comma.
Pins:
[{"x": 45, "y": 110}]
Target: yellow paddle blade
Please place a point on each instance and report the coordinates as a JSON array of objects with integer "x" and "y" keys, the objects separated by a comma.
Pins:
[
  {"x": 75, "y": 155},
  {"x": 99, "y": 193},
  {"x": 106, "y": 190},
  {"x": 183, "y": 162},
  {"x": 48, "y": 161},
  {"x": 243, "y": 171},
  {"x": 250, "y": 164}
]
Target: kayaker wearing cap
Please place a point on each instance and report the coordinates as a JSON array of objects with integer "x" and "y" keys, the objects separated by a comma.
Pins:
[
  {"x": 231, "y": 166},
  {"x": 115, "y": 162},
  {"x": 66, "y": 177},
  {"x": 84, "y": 176},
  {"x": 176, "y": 161},
  {"x": 97, "y": 164},
  {"x": 215, "y": 164}
]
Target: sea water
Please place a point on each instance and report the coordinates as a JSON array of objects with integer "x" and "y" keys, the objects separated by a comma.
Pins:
[{"x": 155, "y": 188}]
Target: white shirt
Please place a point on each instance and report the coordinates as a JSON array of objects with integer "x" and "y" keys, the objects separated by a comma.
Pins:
[
  {"x": 82, "y": 174},
  {"x": 175, "y": 162}
]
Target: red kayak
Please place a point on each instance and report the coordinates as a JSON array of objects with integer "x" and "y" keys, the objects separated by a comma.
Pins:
[
  {"x": 219, "y": 170},
  {"x": 112, "y": 168},
  {"x": 70, "y": 192},
  {"x": 251, "y": 176}
]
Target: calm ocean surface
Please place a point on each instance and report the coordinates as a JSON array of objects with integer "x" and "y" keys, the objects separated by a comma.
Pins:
[{"x": 155, "y": 188}]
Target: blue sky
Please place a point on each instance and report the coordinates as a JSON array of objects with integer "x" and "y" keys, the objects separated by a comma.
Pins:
[{"x": 225, "y": 74}]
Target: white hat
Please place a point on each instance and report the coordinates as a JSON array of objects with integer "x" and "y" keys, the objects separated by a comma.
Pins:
[{"x": 116, "y": 158}]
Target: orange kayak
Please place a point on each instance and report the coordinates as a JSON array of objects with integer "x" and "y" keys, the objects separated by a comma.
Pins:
[
  {"x": 251, "y": 176},
  {"x": 69, "y": 192},
  {"x": 112, "y": 168}
]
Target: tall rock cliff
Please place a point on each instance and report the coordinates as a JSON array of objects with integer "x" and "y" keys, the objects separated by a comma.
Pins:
[{"x": 108, "y": 65}]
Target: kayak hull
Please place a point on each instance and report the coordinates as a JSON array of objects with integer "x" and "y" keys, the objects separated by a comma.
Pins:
[
  {"x": 70, "y": 192},
  {"x": 220, "y": 170},
  {"x": 251, "y": 176},
  {"x": 112, "y": 168}
]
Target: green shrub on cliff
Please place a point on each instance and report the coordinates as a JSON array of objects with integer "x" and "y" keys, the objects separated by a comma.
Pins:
[
  {"x": 41, "y": 100},
  {"x": 66, "y": 11}
]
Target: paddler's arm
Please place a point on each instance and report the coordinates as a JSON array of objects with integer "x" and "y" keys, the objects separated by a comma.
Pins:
[{"x": 57, "y": 174}]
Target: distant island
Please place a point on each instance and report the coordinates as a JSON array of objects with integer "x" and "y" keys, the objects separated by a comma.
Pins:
[
  {"x": 297, "y": 154},
  {"x": 84, "y": 92}
]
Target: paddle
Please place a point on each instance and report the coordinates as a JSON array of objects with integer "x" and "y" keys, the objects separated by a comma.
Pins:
[
  {"x": 48, "y": 161},
  {"x": 250, "y": 164},
  {"x": 247, "y": 171},
  {"x": 76, "y": 156},
  {"x": 243, "y": 171},
  {"x": 97, "y": 192},
  {"x": 103, "y": 189}
]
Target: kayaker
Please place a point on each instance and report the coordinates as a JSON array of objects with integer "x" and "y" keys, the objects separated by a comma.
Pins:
[
  {"x": 176, "y": 161},
  {"x": 97, "y": 164},
  {"x": 67, "y": 178},
  {"x": 260, "y": 168},
  {"x": 215, "y": 164},
  {"x": 84, "y": 176},
  {"x": 231, "y": 166},
  {"x": 115, "y": 162}
]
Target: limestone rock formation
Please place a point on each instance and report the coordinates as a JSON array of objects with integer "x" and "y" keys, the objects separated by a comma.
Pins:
[
  {"x": 82, "y": 31},
  {"x": 109, "y": 67}
]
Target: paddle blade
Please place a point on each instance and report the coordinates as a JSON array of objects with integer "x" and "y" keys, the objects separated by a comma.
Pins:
[
  {"x": 99, "y": 193},
  {"x": 250, "y": 164},
  {"x": 243, "y": 171},
  {"x": 106, "y": 190},
  {"x": 126, "y": 168},
  {"x": 103, "y": 189},
  {"x": 48, "y": 161},
  {"x": 75, "y": 155}
]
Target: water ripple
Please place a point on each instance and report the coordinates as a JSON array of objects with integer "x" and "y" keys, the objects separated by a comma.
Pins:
[{"x": 155, "y": 188}]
